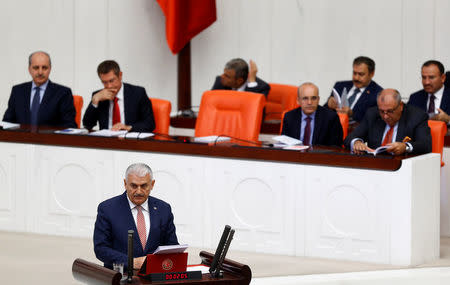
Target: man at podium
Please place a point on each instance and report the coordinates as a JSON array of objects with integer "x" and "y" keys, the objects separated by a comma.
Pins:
[{"x": 149, "y": 217}]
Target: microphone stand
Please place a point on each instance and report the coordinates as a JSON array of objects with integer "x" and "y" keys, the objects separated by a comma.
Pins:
[{"x": 130, "y": 256}]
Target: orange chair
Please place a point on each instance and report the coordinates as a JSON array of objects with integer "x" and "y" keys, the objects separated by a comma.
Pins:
[
  {"x": 78, "y": 104},
  {"x": 161, "y": 112},
  {"x": 233, "y": 113},
  {"x": 344, "y": 123},
  {"x": 281, "y": 98},
  {"x": 438, "y": 132}
]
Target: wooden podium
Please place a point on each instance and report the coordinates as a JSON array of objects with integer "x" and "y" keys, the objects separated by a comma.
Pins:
[{"x": 234, "y": 273}]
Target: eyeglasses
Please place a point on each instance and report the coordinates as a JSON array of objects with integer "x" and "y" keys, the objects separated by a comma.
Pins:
[{"x": 388, "y": 112}]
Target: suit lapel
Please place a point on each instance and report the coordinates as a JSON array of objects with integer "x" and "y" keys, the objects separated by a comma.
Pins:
[
  {"x": 45, "y": 100},
  {"x": 401, "y": 129},
  {"x": 378, "y": 131},
  {"x": 131, "y": 224},
  {"x": 445, "y": 102},
  {"x": 298, "y": 123},
  {"x": 154, "y": 222},
  {"x": 104, "y": 114},
  {"x": 126, "y": 102},
  {"x": 26, "y": 102},
  {"x": 423, "y": 100},
  {"x": 317, "y": 125},
  {"x": 364, "y": 97}
]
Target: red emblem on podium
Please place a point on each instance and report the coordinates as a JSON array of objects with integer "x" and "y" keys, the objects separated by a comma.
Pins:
[{"x": 167, "y": 264}]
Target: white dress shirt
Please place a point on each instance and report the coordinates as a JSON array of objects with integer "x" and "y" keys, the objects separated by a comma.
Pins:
[
  {"x": 350, "y": 92},
  {"x": 42, "y": 88},
  {"x": 437, "y": 100},
  {"x": 145, "y": 211},
  {"x": 119, "y": 96}
]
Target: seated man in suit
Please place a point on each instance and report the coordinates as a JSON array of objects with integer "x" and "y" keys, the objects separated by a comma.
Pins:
[
  {"x": 311, "y": 123},
  {"x": 41, "y": 102},
  {"x": 434, "y": 98},
  {"x": 403, "y": 128},
  {"x": 236, "y": 76},
  {"x": 119, "y": 106},
  {"x": 150, "y": 218},
  {"x": 362, "y": 90}
]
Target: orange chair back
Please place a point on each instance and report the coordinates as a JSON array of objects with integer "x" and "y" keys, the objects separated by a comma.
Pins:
[
  {"x": 161, "y": 112},
  {"x": 233, "y": 113},
  {"x": 78, "y": 104},
  {"x": 438, "y": 132},
  {"x": 281, "y": 98},
  {"x": 344, "y": 123}
]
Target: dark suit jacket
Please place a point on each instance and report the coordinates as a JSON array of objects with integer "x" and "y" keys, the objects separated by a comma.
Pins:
[
  {"x": 420, "y": 100},
  {"x": 114, "y": 219},
  {"x": 56, "y": 108},
  {"x": 413, "y": 123},
  {"x": 327, "y": 127},
  {"x": 138, "y": 111},
  {"x": 262, "y": 86},
  {"x": 366, "y": 100}
]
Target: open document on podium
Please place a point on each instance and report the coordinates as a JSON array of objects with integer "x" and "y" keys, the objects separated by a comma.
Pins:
[{"x": 168, "y": 249}]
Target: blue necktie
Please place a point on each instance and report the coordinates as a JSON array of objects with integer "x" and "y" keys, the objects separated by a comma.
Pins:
[
  {"x": 352, "y": 98},
  {"x": 35, "y": 107}
]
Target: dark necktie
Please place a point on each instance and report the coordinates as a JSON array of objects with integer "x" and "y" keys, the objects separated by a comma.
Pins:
[
  {"x": 307, "y": 132},
  {"x": 352, "y": 97},
  {"x": 431, "y": 106},
  {"x": 35, "y": 107}
]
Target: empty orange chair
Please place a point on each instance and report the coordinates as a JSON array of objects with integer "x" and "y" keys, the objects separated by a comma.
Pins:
[
  {"x": 281, "y": 98},
  {"x": 230, "y": 113},
  {"x": 78, "y": 104},
  {"x": 344, "y": 123},
  {"x": 161, "y": 112},
  {"x": 438, "y": 131}
]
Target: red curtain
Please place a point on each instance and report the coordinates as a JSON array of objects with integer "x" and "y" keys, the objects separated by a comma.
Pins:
[{"x": 185, "y": 19}]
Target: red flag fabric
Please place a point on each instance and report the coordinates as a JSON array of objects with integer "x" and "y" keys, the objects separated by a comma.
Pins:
[{"x": 185, "y": 19}]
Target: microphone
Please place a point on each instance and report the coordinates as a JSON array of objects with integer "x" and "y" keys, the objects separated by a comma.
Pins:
[
  {"x": 130, "y": 256},
  {"x": 220, "y": 246},
  {"x": 225, "y": 250},
  {"x": 242, "y": 140}
]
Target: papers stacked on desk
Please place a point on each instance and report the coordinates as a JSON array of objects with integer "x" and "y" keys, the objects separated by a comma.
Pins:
[
  {"x": 72, "y": 131},
  {"x": 286, "y": 142},
  {"x": 211, "y": 139},
  {"x": 9, "y": 126},
  {"x": 136, "y": 135},
  {"x": 108, "y": 133}
]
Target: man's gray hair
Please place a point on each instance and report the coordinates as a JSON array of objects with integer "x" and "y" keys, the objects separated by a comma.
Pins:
[
  {"x": 39, "y": 51},
  {"x": 397, "y": 97},
  {"x": 304, "y": 85},
  {"x": 139, "y": 169},
  {"x": 240, "y": 66}
]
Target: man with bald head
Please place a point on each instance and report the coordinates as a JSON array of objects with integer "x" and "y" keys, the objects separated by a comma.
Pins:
[
  {"x": 149, "y": 217},
  {"x": 403, "y": 128},
  {"x": 311, "y": 123},
  {"x": 41, "y": 102}
]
